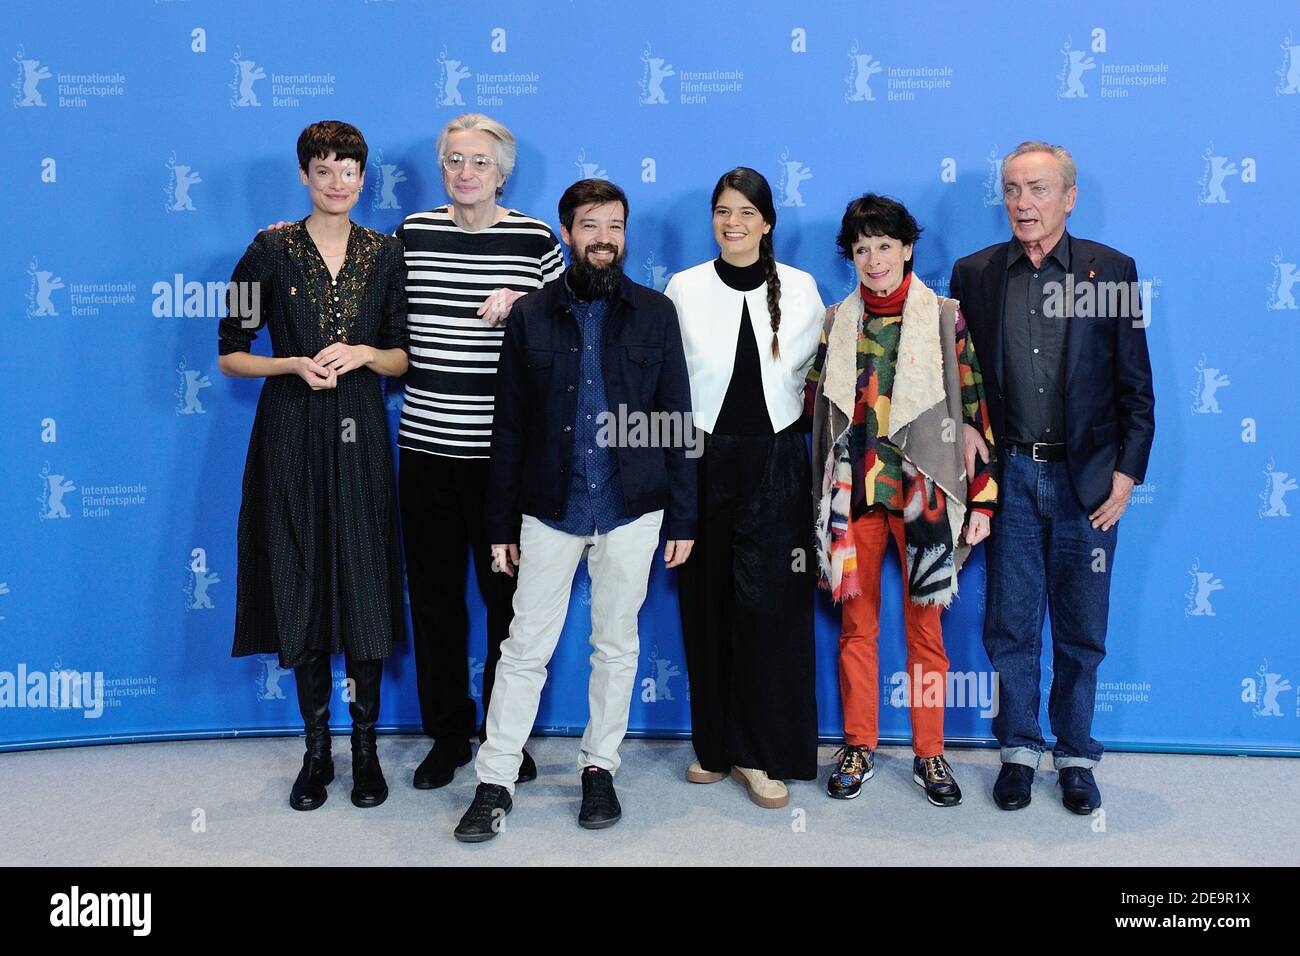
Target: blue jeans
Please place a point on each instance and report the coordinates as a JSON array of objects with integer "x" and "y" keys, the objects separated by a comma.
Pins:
[{"x": 1044, "y": 554}]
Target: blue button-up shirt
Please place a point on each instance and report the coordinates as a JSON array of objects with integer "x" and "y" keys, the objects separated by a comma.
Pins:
[{"x": 595, "y": 503}]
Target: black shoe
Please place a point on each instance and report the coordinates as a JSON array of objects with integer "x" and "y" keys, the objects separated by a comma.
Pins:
[
  {"x": 314, "y": 687},
  {"x": 317, "y": 773},
  {"x": 600, "y": 807},
  {"x": 369, "y": 789},
  {"x": 934, "y": 774},
  {"x": 486, "y": 816},
  {"x": 527, "y": 770},
  {"x": 1079, "y": 790},
  {"x": 1012, "y": 791},
  {"x": 439, "y": 767},
  {"x": 854, "y": 766}
]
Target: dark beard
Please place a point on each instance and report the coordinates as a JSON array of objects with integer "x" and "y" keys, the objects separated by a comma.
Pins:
[{"x": 595, "y": 282}]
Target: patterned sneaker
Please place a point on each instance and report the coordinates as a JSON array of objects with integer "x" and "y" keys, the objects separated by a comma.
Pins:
[
  {"x": 854, "y": 766},
  {"x": 934, "y": 774}
]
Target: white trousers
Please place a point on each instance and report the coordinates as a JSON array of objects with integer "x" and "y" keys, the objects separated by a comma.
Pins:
[{"x": 619, "y": 563}]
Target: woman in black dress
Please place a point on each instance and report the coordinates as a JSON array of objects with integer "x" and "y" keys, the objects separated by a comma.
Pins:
[{"x": 319, "y": 558}]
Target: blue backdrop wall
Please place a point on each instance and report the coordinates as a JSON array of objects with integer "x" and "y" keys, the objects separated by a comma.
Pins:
[{"x": 145, "y": 143}]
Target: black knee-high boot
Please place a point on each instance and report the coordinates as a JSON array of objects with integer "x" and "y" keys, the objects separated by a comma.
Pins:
[
  {"x": 314, "y": 685},
  {"x": 369, "y": 789}
]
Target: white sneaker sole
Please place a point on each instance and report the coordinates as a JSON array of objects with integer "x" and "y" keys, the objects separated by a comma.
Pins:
[{"x": 920, "y": 782}]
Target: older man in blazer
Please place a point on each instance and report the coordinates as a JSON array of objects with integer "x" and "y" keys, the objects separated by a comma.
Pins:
[{"x": 1057, "y": 323}]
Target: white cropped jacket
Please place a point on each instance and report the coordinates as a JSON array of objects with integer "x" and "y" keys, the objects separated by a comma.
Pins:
[{"x": 708, "y": 311}]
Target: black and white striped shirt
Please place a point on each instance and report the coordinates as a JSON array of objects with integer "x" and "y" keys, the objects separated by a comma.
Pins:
[{"x": 451, "y": 382}]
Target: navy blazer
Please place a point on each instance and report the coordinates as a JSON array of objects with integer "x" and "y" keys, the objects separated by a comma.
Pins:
[
  {"x": 1109, "y": 400},
  {"x": 536, "y": 401}
]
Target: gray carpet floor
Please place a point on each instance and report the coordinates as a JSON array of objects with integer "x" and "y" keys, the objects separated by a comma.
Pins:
[{"x": 224, "y": 802}]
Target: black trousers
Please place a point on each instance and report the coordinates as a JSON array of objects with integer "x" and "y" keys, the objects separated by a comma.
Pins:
[
  {"x": 746, "y": 596},
  {"x": 442, "y": 503}
]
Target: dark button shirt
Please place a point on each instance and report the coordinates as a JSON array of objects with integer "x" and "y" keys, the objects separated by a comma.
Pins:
[
  {"x": 744, "y": 408},
  {"x": 1034, "y": 346},
  {"x": 595, "y": 503}
]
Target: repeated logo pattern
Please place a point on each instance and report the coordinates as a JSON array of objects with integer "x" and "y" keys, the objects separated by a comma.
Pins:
[{"x": 128, "y": 444}]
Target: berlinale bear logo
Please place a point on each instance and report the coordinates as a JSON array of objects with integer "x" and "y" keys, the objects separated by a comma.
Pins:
[{"x": 654, "y": 71}]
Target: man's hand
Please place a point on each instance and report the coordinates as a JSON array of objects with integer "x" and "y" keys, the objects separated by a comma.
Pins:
[
  {"x": 977, "y": 528},
  {"x": 497, "y": 306},
  {"x": 1113, "y": 508},
  {"x": 677, "y": 552},
  {"x": 973, "y": 444},
  {"x": 505, "y": 557},
  {"x": 277, "y": 225}
]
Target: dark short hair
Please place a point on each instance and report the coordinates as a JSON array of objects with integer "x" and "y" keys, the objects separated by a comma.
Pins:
[
  {"x": 589, "y": 192},
  {"x": 321, "y": 139},
  {"x": 873, "y": 215}
]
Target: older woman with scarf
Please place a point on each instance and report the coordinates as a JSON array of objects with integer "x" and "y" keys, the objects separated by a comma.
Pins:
[{"x": 900, "y": 450}]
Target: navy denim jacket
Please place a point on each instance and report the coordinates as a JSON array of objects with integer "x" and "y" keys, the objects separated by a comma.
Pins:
[{"x": 537, "y": 398}]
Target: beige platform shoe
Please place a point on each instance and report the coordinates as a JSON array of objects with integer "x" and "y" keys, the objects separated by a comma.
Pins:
[
  {"x": 763, "y": 790},
  {"x": 697, "y": 774}
]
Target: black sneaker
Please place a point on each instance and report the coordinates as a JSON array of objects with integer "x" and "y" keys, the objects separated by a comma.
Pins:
[
  {"x": 486, "y": 816},
  {"x": 934, "y": 774},
  {"x": 854, "y": 766},
  {"x": 600, "y": 807}
]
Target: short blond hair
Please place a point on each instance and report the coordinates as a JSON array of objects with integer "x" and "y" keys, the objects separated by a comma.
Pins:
[
  {"x": 1069, "y": 172},
  {"x": 506, "y": 148}
]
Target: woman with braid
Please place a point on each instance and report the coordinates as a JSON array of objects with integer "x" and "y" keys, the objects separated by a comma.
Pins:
[{"x": 750, "y": 327}]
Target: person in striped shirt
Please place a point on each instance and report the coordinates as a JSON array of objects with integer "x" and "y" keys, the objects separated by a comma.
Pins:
[{"x": 467, "y": 262}]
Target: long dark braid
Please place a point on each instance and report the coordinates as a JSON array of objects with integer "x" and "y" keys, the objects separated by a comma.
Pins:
[
  {"x": 751, "y": 184},
  {"x": 768, "y": 258}
]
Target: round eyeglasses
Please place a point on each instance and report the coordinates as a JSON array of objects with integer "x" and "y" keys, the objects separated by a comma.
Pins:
[{"x": 454, "y": 162}]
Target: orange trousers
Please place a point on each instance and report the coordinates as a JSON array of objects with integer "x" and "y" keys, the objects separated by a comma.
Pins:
[{"x": 859, "y": 654}]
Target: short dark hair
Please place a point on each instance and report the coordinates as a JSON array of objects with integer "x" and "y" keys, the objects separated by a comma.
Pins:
[
  {"x": 873, "y": 215},
  {"x": 321, "y": 139},
  {"x": 589, "y": 192}
]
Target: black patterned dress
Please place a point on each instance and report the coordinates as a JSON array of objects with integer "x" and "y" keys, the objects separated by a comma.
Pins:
[{"x": 319, "y": 554}]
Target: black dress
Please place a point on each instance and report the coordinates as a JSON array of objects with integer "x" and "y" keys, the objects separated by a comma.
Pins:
[{"x": 319, "y": 554}]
